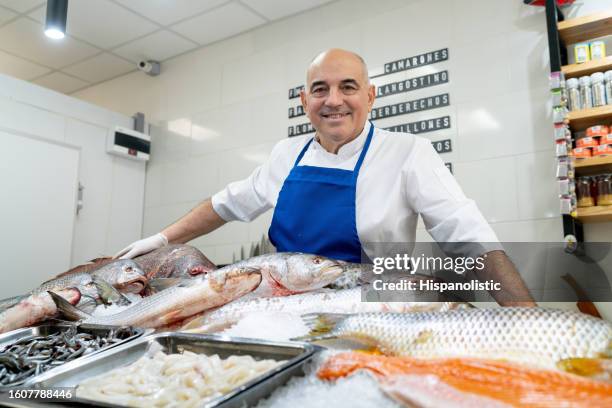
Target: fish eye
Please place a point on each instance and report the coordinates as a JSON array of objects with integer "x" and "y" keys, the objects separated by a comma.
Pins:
[
  {"x": 128, "y": 269},
  {"x": 317, "y": 260}
]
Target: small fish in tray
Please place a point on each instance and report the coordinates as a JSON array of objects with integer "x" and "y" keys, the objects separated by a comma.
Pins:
[
  {"x": 182, "y": 370},
  {"x": 35, "y": 354}
]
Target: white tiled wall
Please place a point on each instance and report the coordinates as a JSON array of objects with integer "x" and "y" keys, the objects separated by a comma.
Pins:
[
  {"x": 114, "y": 187},
  {"x": 220, "y": 109}
]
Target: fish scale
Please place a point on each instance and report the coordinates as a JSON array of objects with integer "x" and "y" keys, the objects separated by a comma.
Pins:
[{"x": 528, "y": 335}]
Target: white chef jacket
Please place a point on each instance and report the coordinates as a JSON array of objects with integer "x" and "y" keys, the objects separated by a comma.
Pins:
[{"x": 402, "y": 176}]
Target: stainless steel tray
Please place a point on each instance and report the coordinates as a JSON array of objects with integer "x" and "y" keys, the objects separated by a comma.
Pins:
[
  {"x": 296, "y": 354},
  {"x": 45, "y": 329}
]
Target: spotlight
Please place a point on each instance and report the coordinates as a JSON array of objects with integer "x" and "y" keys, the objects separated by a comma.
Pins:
[{"x": 57, "y": 13}]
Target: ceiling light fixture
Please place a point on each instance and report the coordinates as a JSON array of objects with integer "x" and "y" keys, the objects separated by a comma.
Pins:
[{"x": 57, "y": 13}]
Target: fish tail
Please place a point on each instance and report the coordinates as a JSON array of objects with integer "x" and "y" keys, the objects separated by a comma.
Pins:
[
  {"x": 66, "y": 309},
  {"x": 321, "y": 326}
]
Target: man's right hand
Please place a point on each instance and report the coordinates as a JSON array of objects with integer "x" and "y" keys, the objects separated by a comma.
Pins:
[{"x": 142, "y": 246}]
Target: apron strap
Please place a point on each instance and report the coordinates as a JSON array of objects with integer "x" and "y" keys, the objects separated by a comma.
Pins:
[
  {"x": 302, "y": 152},
  {"x": 366, "y": 146}
]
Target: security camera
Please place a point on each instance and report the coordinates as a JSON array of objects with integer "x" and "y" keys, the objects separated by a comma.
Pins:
[{"x": 150, "y": 67}]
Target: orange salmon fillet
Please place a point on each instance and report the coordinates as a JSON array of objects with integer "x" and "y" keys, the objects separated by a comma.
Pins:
[{"x": 509, "y": 383}]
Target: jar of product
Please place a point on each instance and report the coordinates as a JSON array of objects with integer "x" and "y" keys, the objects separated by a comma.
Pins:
[
  {"x": 608, "y": 85},
  {"x": 582, "y": 53},
  {"x": 598, "y": 50},
  {"x": 604, "y": 189},
  {"x": 573, "y": 94},
  {"x": 583, "y": 191},
  {"x": 586, "y": 95},
  {"x": 598, "y": 89}
]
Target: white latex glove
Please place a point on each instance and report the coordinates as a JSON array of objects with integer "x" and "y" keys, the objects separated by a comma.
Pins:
[{"x": 142, "y": 246}]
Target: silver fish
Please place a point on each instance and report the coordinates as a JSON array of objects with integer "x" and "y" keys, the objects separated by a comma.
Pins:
[
  {"x": 35, "y": 308},
  {"x": 326, "y": 300},
  {"x": 123, "y": 274},
  {"x": 287, "y": 273},
  {"x": 544, "y": 337},
  {"x": 180, "y": 301}
]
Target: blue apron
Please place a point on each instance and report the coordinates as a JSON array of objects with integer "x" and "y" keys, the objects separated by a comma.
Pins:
[{"x": 315, "y": 211}]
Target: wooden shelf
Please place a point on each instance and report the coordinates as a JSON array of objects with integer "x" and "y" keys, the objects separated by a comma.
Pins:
[
  {"x": 593, "y": 165},
  {"x": 582, "y": 119},
  {"x": 579, "y": 29},
  {"x": 595, "y": 214},
  {"x": 578, "y": 70}
]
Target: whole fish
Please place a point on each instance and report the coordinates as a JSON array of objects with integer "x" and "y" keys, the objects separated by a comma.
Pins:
[
  {"x": 287, "y": 273},
  {"x": 171, "y": 261},
  {"x": 325, "y": 300},
  {"x": 544, "y": 337},
  {"x": 35, "y": 308},
  {"x": 178, "y": 302},
  {"x": 501, "y": 383},
  {"x": 123, "y": 274},
  {"x": 175, "y": 261}
]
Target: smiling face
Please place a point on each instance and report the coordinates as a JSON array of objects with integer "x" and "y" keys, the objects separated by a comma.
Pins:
[{"x": 337, "y": 97}]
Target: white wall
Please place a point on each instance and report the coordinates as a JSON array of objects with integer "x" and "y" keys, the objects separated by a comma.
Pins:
[
  {"x": 221, "y": 108},
  {"x": 114, "y": 187}
]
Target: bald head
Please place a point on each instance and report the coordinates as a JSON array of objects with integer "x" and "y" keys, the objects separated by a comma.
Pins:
[
  {"x": 338, "y": 54},
  {"x": 337, "y": 97}
]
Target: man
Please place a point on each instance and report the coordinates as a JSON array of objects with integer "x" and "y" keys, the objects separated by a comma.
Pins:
[{"x": 350, "y": 184}]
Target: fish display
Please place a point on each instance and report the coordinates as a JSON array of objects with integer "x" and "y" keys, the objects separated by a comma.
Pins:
[
  {"x": 287, "y": 273},
  {"x": 33, "y": 355},
  {"x": 325, "y": 300},
  {"x": 539, "y": 336},
  {"x": 177, "y": 302},
  {"x": 35, "y": 308},
  {"x": 468, "y": 380}
]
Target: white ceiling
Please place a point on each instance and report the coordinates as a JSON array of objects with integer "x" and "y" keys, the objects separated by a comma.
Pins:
[{"x": 105, "y": 38}]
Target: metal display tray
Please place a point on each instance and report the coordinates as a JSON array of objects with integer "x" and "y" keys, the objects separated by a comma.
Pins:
[
  {"x": 296, "y": 354},
  {"x": 45, "y": 329}
]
